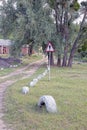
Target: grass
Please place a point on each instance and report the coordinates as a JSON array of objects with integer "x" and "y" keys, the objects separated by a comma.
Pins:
[
  {"x": 29, "y": 59},
  {"x": 6, "y": 71},
  {"x": 68, "y": 86}
]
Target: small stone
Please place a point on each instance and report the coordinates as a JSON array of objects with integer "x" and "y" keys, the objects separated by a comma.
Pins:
[
  {"x": 35, "y": 80},
  {"x": 32, "y": 84},
  {"x": 2, "y": 68},
  {"x": 25, "y": 90},
  {"x": 39, "y": 77}
]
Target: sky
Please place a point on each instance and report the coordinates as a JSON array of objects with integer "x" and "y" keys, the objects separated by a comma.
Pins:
[
  {"x": 81, "y": 16},
  {"x": 81, "y": 1}
]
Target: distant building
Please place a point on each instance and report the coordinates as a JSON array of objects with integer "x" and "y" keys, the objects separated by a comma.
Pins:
[
  {"x": 25, "y": 49},
  {"x": 5, "y": 46}
]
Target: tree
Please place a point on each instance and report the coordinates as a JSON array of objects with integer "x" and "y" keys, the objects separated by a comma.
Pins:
[
  {"x": 80, "y": 33},
  {"x": 66, "y": 11},
  {"x": 17, "y": 22},
  {"x": 31, "y": 22},
  {"x": 82, "y": 49}
]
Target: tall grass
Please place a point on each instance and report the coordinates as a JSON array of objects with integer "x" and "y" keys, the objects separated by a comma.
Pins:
[{"x": 68, "y": 86}]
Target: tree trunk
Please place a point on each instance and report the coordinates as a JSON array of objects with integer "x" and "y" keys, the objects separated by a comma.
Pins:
[
  {"x": 64, "y": 63},
  {"x": 75, "y": 43},
  {"x": 74, "y": 47},
  {"x": 72, "y": 54},
  {"x": 30, "y": 49},
  {"x": 59, "y": 60}
]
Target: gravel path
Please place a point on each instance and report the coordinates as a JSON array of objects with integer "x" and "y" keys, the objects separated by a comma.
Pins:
[{"x": 7, "y": 83}]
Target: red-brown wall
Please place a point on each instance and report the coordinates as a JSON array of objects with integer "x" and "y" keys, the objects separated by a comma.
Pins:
[
  {"x": 4, "y": 49},
  {"x": 24, "y": 50}
]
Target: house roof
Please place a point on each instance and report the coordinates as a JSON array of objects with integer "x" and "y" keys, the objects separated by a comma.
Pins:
[{"x": 5, "y": 42}]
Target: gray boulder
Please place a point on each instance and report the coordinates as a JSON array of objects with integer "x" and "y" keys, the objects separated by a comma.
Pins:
[
  {"x": 49, "y": 102},
  {"x": 25, "y": 90}
]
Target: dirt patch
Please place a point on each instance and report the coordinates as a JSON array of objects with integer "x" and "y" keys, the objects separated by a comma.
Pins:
[{"x": 7, "y": 62}]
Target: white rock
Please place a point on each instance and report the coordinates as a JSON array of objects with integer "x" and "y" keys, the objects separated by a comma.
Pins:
[
  {"x": 39, "y": 77},
  {"x": 35, "y": 80},
  {"x": 2, "y": 68},
  {"x": 32, "y": 84},
  {"x": 16, "y": 65},
  {"x": 10, "y": 66},
  {"x": 49, "y": 102},
  {"x": 44, "y": 74},
  {"x": 46, "y": 71},
  {"x": 48, "y": 68},
  {"x": 25, "y": 90}
]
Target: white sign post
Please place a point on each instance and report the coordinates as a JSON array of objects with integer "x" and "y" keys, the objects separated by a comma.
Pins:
[{"x": 49, "y": 49}]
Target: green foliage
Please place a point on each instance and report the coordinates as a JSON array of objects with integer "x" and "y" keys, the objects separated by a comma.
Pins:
[
  {"x": 51, "y": 3},
  {"x": 28, "y": 20},
  {"x": 84, "y": 46},
  {"x": 75, "y": 5},
  {"x": 7, "y": 18},
  {"x": 83, "y": 49}
]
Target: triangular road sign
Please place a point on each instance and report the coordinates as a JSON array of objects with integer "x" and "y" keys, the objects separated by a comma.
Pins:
[{"x": 49, "y": 48}]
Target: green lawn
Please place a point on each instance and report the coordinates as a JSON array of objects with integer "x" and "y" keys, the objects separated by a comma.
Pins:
[
  {"x": 68, "y": 86},
  {"x": 6, "y": 71}
]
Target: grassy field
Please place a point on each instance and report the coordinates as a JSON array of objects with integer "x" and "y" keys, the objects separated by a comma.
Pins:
[{"x": 68, "y": 86}]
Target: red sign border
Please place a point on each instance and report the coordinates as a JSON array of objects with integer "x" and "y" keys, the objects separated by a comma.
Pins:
[{"x": 47, "y": 46}]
